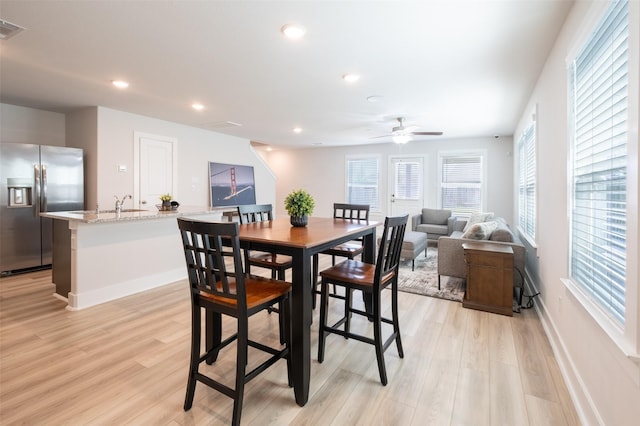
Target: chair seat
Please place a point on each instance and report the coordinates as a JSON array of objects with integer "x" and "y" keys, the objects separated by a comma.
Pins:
[
  {"x": 354, "y": 273},
  {"x": 259, "y": 290},
  {"x": 270, "y": 260},
  {"x": 349, "y": 250}
]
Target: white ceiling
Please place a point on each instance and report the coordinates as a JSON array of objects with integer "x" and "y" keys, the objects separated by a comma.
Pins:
[{"x": 462, "y": 67}]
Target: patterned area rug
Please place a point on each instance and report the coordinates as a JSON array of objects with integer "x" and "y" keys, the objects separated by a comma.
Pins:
[{"x": 424, "y": 280}]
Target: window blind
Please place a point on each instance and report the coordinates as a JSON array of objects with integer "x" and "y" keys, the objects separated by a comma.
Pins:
[
  {"x": 527, "y": 181},
  {"x": 598, "y": 217},
  {"x": 461, "y": 183},
  {"x": 407, "y": 180},
  {"x": 362, "y": 181}
]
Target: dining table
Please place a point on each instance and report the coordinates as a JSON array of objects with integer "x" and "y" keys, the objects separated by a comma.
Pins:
[{"x": 302, "y": 243}]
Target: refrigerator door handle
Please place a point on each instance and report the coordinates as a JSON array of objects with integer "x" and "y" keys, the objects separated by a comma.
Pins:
[
  {"x": 43, "y": 200},
  {"x": 36, "y": 176}
]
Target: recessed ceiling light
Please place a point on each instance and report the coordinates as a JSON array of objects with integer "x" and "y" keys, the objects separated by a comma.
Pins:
[
  {"x": 374, "y": 98},
  {"x": 197, "y": 106},
  {"x": 297, "y": 130},
  {"x": 269, "y": 149},
  {"x": 351, "y": 78},
  {"x": 120, "y": 84},
  {"x": 293, "y": 30}
]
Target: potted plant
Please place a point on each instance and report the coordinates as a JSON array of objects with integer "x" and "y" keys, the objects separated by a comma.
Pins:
[
  {"x": 166, "y": 201},
  {"x": 299, "y": 204}
]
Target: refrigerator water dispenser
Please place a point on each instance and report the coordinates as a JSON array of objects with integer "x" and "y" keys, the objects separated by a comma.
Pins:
[{"x": 20, "y": 192}]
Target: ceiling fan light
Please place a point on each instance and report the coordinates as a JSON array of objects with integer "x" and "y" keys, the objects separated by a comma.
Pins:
[{"x": 401, "y": 139}]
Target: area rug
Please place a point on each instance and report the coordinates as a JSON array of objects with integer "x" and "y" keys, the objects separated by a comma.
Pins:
[{"x": 424, "y": 279}]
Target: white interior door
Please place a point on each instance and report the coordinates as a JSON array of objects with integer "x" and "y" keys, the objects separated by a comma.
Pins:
[
  {"x": 155, "y": 158},
  {"x": 406, "y": 194}
]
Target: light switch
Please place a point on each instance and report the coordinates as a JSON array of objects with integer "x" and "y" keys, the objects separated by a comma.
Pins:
[{"x": 122, "y": 168}]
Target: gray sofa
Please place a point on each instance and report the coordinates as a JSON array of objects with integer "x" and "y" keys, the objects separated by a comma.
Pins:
[
  {"x": 434, "y": 222},
  {"x": 451, "y": 255}
]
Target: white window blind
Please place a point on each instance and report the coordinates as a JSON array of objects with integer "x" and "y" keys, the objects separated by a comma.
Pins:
[
  {"x": 408, "y": 178},
  {"x": 527, "y": 181},
  {"x": 461, "y": 183},
  {"x": 362, "y": 181},
  {"x": 599, "y": 114}
]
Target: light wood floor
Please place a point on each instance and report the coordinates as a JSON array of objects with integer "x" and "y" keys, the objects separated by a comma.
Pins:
[{"x": 125, "y": 362}]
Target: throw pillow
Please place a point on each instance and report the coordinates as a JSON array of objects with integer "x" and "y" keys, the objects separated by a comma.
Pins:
[
  {"x": 477, "y": 218},
  {"x": 480, "y": 231}
]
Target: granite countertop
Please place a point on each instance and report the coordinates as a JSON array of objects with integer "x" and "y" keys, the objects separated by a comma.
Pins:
[{"x": 103, "y": 216}]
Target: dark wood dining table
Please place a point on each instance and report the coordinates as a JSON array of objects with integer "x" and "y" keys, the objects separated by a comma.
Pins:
[{"x": 301, "y": 243}]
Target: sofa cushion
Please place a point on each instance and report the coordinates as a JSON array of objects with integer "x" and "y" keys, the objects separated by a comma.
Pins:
[
  {"x": 435, "y": 216},
  {"x": 480, "y": 231},
  {"x": 433, "y": 229},
  {"x": 502, "y": 232},
  {"x": 477, "y": 218}
]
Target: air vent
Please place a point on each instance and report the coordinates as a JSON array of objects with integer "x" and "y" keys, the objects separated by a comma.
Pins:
[
  {"x": 221, "y": 124},
  {"x": 8, "y": 30}
]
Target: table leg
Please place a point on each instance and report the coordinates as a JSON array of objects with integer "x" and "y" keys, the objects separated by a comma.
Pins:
[{"x": 301, "y": 326}]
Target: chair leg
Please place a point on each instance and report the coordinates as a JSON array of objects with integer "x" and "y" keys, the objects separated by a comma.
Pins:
[
  {"x": 348, "y": 296},
  {"x": 324, "y": 301},
  {"x": 241, "y": 366},
  {"x": 281, "y": 317},
  {"x": 394, "y": 313},
  {"x": 213, "y": 334},
  {"x": 438, "y": 281},
  {"x": 377, "y": 337},
  {"x": 195, "y": 356},
  {"x": 413, "y": 264}
]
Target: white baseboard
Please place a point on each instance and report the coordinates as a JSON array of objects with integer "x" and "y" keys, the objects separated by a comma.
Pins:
[{"x": 578, "y": 392}]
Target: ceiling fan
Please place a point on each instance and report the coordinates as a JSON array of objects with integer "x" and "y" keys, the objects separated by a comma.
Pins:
[{"x": 402, "y": 135}]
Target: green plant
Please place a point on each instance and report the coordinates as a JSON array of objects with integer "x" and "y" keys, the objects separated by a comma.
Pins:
[
  {"x": 166, "y": 197},
  {"x": 299, "y": 203}
]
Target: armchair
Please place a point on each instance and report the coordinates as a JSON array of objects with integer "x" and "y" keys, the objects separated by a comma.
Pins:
[{"x": 435, "y": 223}]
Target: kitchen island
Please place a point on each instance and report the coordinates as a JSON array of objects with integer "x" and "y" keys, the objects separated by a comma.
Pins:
[{"x": 104, "y": 255}]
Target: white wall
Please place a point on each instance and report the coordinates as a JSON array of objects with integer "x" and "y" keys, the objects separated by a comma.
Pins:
[
  {"x": 321, "y": 171},
  {"x": 603, "y": 380},
  {"x": 27, "y": 125},
  {"x": 196, "y": 147},
  {"x": 82, "y": 132}
]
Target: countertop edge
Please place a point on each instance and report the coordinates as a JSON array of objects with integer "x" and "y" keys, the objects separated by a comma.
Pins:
[{"x": 89, "y": 217}]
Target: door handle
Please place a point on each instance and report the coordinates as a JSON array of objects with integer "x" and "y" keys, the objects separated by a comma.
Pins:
[
  {"x": 43, "y": 201},
  {"x": 36, "y": 178}
]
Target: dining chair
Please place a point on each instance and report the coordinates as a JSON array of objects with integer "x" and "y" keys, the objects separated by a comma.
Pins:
[
  {"x": 372, "y": 280},
  {"x": 277, "y": 263},
  {"x": 219, "y": 285},
  {"x": 350, "y": 249}
]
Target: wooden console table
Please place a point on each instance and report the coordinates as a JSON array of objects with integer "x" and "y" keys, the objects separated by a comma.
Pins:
[{"x": 489, "y": 277}]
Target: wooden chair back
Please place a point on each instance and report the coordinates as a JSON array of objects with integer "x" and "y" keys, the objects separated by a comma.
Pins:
[
  {"x": 388, "y": 260},
  {"x": 351, "y": 211},
  {"x": 205, "y": 258},
  {"x": 255, "y": 213}
]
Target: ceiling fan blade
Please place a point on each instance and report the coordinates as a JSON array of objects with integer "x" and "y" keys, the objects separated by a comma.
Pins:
[
  {"x": 426, "y": 133},
  {"x": 383, "y": 136}
]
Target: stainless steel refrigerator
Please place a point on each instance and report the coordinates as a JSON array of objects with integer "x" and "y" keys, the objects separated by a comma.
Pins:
[{"x": 34, "y": 179}]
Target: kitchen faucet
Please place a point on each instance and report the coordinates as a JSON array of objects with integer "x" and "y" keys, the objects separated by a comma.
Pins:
[{"x": 120, "y": 203}]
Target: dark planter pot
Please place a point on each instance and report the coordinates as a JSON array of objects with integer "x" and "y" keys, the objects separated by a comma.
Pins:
[
  {"x": 299, "y": 221},
  {"x": 166, "y": 205}
]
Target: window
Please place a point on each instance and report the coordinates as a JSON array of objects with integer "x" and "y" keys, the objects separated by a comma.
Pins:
[
  {"x": 598, "y": 98},
  {"x": 461, "y": 183},
  {"x": 527, "y": 182},
  {"x": 362, "y": 181},
  {"x": 407, "y": 180}
]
